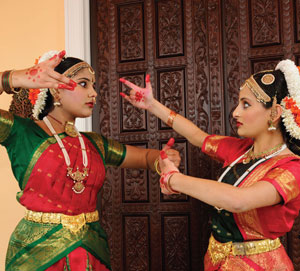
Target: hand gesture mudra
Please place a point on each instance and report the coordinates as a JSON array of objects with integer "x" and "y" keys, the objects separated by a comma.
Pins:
[
  {"x": 139, "y": 97},
  {"x": 43, "y": 75}
]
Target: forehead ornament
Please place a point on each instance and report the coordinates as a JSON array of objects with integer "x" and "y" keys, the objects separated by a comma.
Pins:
[
  {"x": 258, "y": 92},
  {"x": 72, "y": 71}
]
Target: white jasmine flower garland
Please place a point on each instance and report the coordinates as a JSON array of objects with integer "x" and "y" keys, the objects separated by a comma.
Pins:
[{"x": 291, "y": 104}]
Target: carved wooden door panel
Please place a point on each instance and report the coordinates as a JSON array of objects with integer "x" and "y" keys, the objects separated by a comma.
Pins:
[{"x": 197, "y": 53}]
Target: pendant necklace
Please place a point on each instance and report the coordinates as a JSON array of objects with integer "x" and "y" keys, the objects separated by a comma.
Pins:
[
  {"x": 69, "y": 127},
  {"x": 77, "y": 176},
  {"x": 240, "y": 179},
  {"x": 250, "y": 154}
]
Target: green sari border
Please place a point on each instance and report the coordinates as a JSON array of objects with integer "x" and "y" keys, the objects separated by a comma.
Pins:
[
  {"x": 60, "y": 256},
  {"x": 94, "y": 138},
  {"x": 34, "y": 244},
  {"x": 70, "y": 243},
  {"x": 35, "y": 156},
  {"x": 96, "y": 256}
]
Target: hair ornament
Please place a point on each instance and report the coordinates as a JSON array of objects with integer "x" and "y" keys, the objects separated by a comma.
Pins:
[
  {"x": 259, "y": 93},
  {"x": 268, "y": 79},
  {"x": 291, "y": 103}
]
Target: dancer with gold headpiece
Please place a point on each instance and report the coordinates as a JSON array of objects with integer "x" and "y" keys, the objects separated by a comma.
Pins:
[
  {"x": 60, "y": 170},
  {"x": 257, "y": 197}
]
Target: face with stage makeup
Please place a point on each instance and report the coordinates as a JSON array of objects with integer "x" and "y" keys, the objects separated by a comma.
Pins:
[
  {"x": 251, "y": 116},
  {"x": 80, "y": 102}
]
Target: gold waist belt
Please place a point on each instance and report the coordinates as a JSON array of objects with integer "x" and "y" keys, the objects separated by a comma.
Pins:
[
  {"x": 72, "y": 223},
  {"x": 220, "y": 251}
]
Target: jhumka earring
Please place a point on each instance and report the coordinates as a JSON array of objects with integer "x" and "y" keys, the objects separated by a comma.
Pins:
[
  {"x": 57, "y": 103},
  {"x": 56, "y": 97},
  {"x": 271, "y": 127}
]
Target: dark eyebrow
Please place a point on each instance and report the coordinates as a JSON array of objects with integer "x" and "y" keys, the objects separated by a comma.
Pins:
[
  {"x": 245, "y": 99},
  {"x": 87, "y": 79}
]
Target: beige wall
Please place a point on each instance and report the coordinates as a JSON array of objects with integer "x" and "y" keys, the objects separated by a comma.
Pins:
[{"x": 28, "y": 29}]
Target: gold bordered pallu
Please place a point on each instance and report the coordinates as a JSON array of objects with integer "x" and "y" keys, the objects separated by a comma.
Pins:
[
  {"x": 72, "y": 223},
  {"x": 220, "y": 251}
]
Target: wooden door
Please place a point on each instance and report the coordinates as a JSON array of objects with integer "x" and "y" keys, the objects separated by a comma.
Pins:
[{"x": 197, "y": 53}]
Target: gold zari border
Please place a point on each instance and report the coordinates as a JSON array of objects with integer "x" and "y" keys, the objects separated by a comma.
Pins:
[
  {"x": 6, "y": 123},
  {"x": 220, "y": 251}
]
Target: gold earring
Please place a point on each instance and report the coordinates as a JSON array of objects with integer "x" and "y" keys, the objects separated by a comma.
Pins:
[
  {"x": 273, "y": 115},
  {"x": 56, "y": 97},
  {"x": 271, "y": 127},
  {"x": 58, "y": 103}
]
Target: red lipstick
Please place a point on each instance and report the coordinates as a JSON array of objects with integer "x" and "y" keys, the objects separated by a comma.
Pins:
[{"x": 91, "y": 105}]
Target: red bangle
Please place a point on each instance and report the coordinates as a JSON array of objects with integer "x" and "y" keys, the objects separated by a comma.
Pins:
[{"x": 165, "y": 181}]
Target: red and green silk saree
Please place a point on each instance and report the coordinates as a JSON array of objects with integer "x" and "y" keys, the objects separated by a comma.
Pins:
[{"x": 39, "y": 167}]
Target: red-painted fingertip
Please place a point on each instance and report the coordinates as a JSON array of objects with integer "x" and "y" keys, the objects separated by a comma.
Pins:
[
  {"x": 55, "y": 56},
  {"x": 62, "y": 53},
  {"x": 122, "y": 80},
  {"x": 171, "y": 142},
  {"x": 163, "y": 155},
  {"x": 64, "y": 86},
  {"x": 72, "y": 83},
  {"x": 147, "y": 78},
  {"x": 123, "y": 94}
]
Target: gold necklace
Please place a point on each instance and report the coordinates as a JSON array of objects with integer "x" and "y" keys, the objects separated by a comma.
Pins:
[
  {"x": 251, "y": 156},
  {"x": 69, "y": 127},
  {"x": 77, "y": 176}
]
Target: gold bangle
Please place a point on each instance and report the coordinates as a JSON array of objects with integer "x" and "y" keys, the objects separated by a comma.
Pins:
[
  {"x": 171, "y": 118},
  {"x": 156, "y": 165}
]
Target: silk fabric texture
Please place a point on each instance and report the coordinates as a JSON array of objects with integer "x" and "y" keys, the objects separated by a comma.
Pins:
[
  {"x": 282, "y": 171},
  {"x": 39, "y": 167}
]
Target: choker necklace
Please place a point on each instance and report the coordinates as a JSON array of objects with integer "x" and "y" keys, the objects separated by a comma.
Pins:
[
  {"x": 240, "y": 179},
  {"x": 251, "y": 156},
  {"x": 77, "y": 176},
  {"x": 69, "y": 127}
]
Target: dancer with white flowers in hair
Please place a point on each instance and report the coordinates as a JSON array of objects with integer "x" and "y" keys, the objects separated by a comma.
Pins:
[
  {"x": 257, "y": 197},
  {"x": 60, "y": 170}
]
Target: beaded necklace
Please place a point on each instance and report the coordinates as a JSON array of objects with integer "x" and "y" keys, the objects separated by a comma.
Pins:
[
  {"x": 241, "y": 178},
  {"x": 77, "y": 176}
]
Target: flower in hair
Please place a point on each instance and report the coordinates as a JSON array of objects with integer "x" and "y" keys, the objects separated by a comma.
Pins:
[
  {"x": 291, "y": 104},
  {"x": 33, "y": 95}
]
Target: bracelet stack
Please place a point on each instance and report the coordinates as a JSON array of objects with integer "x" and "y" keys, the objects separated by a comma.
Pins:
[
  {"x": 6, "y": 81},
  {"x": 165, "y": 182}
]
